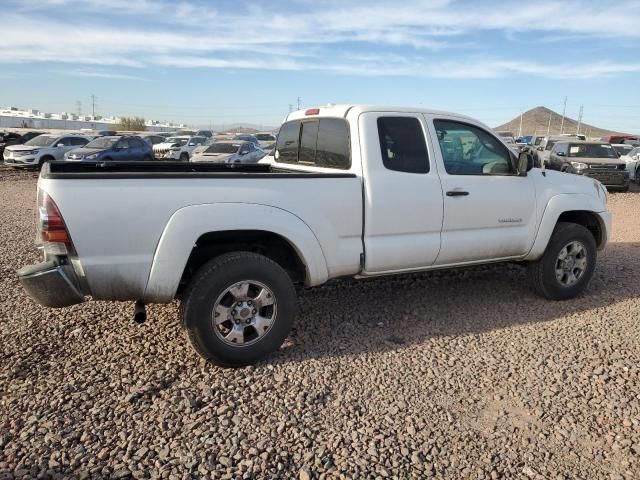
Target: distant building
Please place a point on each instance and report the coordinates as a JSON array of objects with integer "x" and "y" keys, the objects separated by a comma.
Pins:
[{"x": 12, "y": 117}]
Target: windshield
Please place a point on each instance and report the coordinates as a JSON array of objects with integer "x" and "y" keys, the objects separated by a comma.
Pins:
[
  {"x": 265, "y": 137},
  {"x": 177, "y": 140},
  {"x": 623, "y": 149},
  {"x": 41, "y": 141},
  {"x": 550, "y": 144},
  {"x": 223, "y": 148},
  {"x": 102, "y": 142},
  {"x": 589, "y": 150}
]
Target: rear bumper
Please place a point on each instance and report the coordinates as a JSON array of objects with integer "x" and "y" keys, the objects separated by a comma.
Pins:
[{"x": 51, "y": 284}]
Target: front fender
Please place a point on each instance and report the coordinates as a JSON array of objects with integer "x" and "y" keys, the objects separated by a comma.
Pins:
[
  {"x": 189, "y": 223},
  {"x": 559, "y": 204}
]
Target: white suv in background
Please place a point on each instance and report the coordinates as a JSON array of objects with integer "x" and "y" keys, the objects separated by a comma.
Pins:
[
  {"x": 177, "y": 148},
  {"x": 43, "y": 148}
]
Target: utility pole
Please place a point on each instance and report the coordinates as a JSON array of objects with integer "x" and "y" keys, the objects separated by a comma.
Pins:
[
  {"x": 298, "y": 103},
  {"x": 579, "y": 119},
  {"x": 93, "y": 105},
  {"x": 520, "y": 129},
  {"x": 564, "y": 110},
  {"x": 549, "y": 124},
  {"x": 79, "y": 107}
]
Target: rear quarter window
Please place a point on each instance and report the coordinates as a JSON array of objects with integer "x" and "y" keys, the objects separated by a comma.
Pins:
[{"x": 322, "y": 142}]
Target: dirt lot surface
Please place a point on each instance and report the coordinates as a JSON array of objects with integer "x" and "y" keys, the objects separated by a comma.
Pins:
[{"x": 456, "y": 375}]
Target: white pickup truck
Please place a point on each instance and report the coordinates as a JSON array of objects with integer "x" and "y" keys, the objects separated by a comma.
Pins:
[{"x": 354, "y": 191}]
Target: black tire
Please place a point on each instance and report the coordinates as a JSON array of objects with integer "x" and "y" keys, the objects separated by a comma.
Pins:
[
  {"x": 638, "y": 174},
  {"x": 184, "y": 157},
  {"x": 211, "y": 281},
  {"x": 542, "y": 272},
  {"x": 147, "y": 158}
]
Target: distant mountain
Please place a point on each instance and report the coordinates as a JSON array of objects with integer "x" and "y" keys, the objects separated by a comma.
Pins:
[
  {"x": 240, "y": 128},
  {"x": 536, "y": 122}
]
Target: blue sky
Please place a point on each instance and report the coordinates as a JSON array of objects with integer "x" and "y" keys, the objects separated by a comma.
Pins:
[{"x": 203, "y": 62}]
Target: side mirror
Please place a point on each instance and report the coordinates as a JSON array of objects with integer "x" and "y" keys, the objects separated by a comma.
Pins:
[
  {"x": 60, "y": 145},
  {"x": 524, "y": 164},
  {"x": 561, "y": 154}
]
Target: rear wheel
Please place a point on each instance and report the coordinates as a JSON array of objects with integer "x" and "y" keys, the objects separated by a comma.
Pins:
[
  {"x": 184, "y": 157},
  {"x": 238, "y": 308},
  {"x": 638, "y": 174},
  {"x": 567, "y": 265}
]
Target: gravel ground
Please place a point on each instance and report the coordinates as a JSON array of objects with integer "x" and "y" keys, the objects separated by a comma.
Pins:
[{"x": 456, "y": 375}]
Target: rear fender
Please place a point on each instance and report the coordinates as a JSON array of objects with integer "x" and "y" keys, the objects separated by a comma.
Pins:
[{"x": 189, "y": 223}]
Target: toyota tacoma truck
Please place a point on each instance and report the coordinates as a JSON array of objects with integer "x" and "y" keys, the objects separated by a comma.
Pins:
[{"x": 353, "y": 191}]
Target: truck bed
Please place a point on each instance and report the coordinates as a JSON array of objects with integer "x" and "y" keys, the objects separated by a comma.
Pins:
[{"x": 120, "y": 214}]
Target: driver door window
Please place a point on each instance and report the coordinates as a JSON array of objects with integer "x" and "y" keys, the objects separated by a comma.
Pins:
[{"x": 469, "y": 150}]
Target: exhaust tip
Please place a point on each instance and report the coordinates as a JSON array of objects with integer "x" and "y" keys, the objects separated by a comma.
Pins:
[{"x": 139, "y": 312}]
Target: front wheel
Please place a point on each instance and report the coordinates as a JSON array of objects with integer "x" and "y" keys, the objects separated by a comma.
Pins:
[
  {"x": 638, "y": 174},
  {"x": 567, "y": 265},
  {"x": 238, "y": 308},
  {"x": 184, "y": 157}
]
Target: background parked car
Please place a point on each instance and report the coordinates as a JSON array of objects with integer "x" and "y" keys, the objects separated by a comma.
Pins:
[
  {"x": 544, "y": 147},
  {"x": 177, "y": 148},
  {"x": 622, "y": 149},
  {"x": 267, "y": 140},
  {"x": 43, "y": 148},
  {"x": 204, "y": 133},
  {"x": 230, "y": 151},
  {"x": 106, "y": 133},
  {"x": 618, "y": 138},
  {"x": 113, "y": 148},
  {"x": 632, "y": 159},
  {"x": 15, "y": 138},
  {"x": 247, "y": 138},
  {"x": 152, "y": 139},
  {"x": 594, "y": 159}
]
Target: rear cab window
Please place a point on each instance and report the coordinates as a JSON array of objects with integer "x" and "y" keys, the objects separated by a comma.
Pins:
[{"x": 320, "y": 142}]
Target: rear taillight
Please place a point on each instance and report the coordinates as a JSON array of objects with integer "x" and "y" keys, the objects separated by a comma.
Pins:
[{"x": 53, "y": 231}]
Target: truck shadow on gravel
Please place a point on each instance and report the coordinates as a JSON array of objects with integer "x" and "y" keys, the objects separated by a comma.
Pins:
[{"x": 349, "y": 317}]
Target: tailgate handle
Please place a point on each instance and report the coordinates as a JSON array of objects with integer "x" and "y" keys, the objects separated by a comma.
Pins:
[{"x": 457, "y": 193}]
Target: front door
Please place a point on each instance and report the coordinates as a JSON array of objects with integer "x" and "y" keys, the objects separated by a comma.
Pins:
[
  {"x": 402, "y": 193},
  {"x": 489, "y": 212}
]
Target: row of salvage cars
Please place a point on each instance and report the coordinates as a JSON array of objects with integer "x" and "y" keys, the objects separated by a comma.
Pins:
[
  {"x": 33, "y": 149},
  {"x": 614, "y": 160},
  {"x": 241, "y": 148}
]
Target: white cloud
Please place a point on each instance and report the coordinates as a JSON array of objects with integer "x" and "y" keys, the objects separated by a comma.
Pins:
[
  {"x": 102, "y": 74},
  {"x": 408, "y": 39}
]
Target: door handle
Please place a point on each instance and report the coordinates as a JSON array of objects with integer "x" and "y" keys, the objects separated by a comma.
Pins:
[{"x": 457, "y": 193}]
